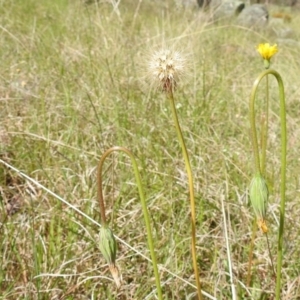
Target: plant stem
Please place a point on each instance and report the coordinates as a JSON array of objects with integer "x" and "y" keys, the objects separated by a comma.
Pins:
[
  {"x": 265, "y": 130},
  {"x": 253, "y": 128},
  {"x": 233, "y": 291},
  {"x": 191, "y": 190},
  {"x": 100, "y": 190},
  {"x": 143, "y": 202},
  {"x": 283, "y": 163},
  {"x": 269, "y": 249},
  {"x": 254, "y": 230}
]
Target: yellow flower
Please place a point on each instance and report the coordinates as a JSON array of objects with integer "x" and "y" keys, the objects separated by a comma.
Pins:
[
  {"x": 266, "y": 50},
  {"x": 165, "y": 67}
]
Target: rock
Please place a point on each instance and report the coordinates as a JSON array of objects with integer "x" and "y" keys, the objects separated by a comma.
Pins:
[
  {"x": 203, "y": 3},
  {"x": 279, "y": 28},
  {"x": 228, "y": 9},
  {"x": 279, "y": 2},
  {"x": 289, "y": 42},
  {"x": 215, "y": 3},
  {"x": 255, "y": 15},
  {"x": 186, "y": 3}
]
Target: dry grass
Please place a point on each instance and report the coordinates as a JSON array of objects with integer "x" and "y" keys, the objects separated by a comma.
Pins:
[{"x": 72, "y": 84}]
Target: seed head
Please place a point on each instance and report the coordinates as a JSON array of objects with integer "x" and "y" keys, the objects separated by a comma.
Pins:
[{"x": 165, "y": 67}]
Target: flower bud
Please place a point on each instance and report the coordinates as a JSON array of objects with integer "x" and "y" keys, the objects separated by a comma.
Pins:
[
  {"x": 259, "y": 199},
  {"x": 108, "y": 245}
]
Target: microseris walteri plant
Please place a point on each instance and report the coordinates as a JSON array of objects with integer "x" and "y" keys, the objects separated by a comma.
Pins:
[
  {"x": 258, "y": 186},
  {"x": 108, "y": 245},
  {"x": 166, "y": 66}
]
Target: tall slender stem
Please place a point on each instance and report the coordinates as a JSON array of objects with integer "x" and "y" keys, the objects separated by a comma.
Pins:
[
  {"x": 283, "y": 184},
  {"x": 191, "y": 190},
  {"x": 265, "y": 130},
  {"x": 253, "y": 128},
  {"x": 283, "y": 163},
  {"x": 143, "y": 202},
  {"x": 254, "y": 230},
  {"x": 100, "y": 190}
]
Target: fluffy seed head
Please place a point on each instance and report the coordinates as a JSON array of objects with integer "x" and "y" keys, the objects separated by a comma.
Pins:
[{"x": 165, "y": 67}]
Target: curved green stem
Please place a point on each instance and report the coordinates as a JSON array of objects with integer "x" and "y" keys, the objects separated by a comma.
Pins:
[
  {"x": 265, "y": 130},
  {"x": 191, "y": 190},
  {"x": 283, "y": 162},
  {"x": 143, "y": 202},
  {"x": 253, "y": 128}
]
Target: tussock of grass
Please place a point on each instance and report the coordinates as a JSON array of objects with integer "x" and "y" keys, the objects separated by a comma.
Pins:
[{"x": 71, "y": 86}]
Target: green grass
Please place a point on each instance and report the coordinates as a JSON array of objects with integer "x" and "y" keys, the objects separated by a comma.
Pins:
[{"x": 73, "y": 82}]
